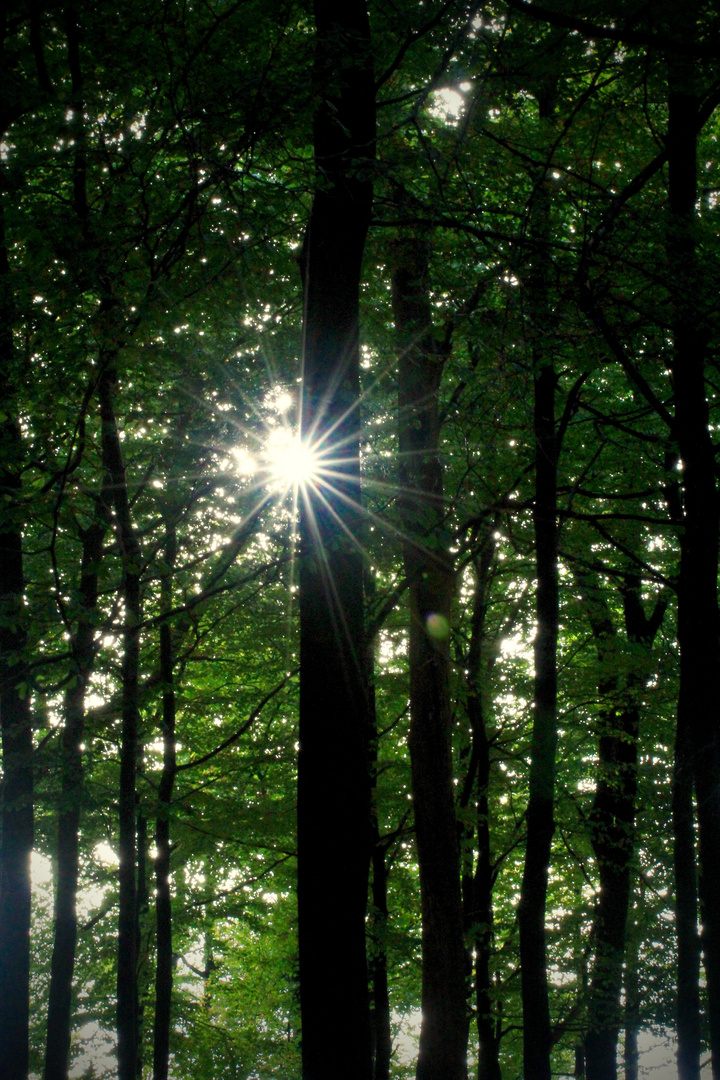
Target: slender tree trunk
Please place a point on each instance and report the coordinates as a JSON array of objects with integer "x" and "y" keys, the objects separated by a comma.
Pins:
[
  {"x": 163, "y": 904},
  {"x": 444, "y": 1026},
  {"x": 540, "y": 810},
  {"x": 380, "y": 995},
  {"x": 127, "y": 995},
  {"x": 687, "y": 1004},
  {"x": 631, "y": 1053},
  {"x": 16, "y": 794},
  {"x": 57, "y": 1048},
  {"x": 334, "y": 834},
  {"x": 537, "y": 1035},
  {"x": 686, "y": 909},
  {"x": 382, "y": 1034},
  {"x": 478, "y": 882},
  {"x": 540, "y": 821},
  {"x": 612, "y": 819},
  {"x": 142, "y": 941},
  {"x": 698, "y": 624}
]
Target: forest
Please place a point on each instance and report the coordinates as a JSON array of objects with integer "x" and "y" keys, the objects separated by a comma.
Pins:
[{"x": 359, "y": 531}]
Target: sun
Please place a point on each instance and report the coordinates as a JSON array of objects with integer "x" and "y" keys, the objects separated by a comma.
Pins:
[{"x": 291, "y": 461}]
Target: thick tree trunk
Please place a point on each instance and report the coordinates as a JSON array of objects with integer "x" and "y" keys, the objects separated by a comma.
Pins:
[
  {"x": 698, "y": 624},
  {"x": 16, "y": 794},
  {"x": 444, "y": 1026},
  {"x": 334, "y": 835},
  {"x": 163, "y": 903},
  {"x": 57, "y": 1048},
  {"x": 127, "y": 996}
]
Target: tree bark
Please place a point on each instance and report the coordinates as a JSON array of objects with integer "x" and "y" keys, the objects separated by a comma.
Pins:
[
  {"x": 57, "y": 1047},
  {"x": 631, "y": 1053},
  {"x": 537, "y": 1039},
  {"x": 478, "y": 881},
  {"x": 537, "y": 1035},
  {"x": 163, "y": 902},
  {"x": 16, "y": 794},
  {"x": 698, "y": 624},
  {"x": 334, "y": 835},
  {"x": 382, "y": 1034},
  {"x": 612, "y": 821},
  {"x": 444, "y": 1025},
  {"x": 686, "y": 908},
  {"x": 380, "y": 996},
  {"x": 127, "y": 995}
]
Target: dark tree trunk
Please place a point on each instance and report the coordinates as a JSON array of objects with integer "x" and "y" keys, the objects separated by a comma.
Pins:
[
  {"x": 382, "y": 1034},
  {"x": 380, "y": 996},
  {"x": 142, "y": 943},
  {"x": 686, "y": 909},
  {"x": 163, "y": 904},
  {"x": 444, "y": 1026},
  {"x": 698, "y": 595},
  {"x": 57, "y": 1047},
  {"x": 478, "y": 881},
  {"x": 16, "y": 794},
  {"x": 537, "y": 1035},
  {"x": 334, "y": 835},
  {"x": 631, "y": 1053},
  {"x": 612, "y": 834},
  {"x": 127, "y": 995},
  {"x": 612, "y": 822},
  {"x": 540, "y": 823}
]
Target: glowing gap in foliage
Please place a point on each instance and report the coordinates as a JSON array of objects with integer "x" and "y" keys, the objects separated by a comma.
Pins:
[{"x": 292, "y": 461}]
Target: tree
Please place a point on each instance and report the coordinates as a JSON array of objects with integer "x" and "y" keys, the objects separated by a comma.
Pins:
[{"x": 333, "y": 764}]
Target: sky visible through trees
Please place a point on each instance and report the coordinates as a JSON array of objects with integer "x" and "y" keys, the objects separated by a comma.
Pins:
[{"x": 359, "y": 531}]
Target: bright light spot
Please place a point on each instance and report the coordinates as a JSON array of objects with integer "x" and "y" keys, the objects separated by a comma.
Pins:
[
  {"x": 40, "y": 869},
  {"x": 291, "y": 461},
  {"x": 515, "y": 645},
  {"x": 283, "y": 403},
  {"x": 105, "y": 854},
  {"x": 447, "y": 105},
  {"x": 244, "y": 462}
]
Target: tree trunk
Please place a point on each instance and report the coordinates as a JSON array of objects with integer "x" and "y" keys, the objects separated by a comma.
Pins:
[
  {"x": 57, "y": 1048},
  {"x": 127, "y": 995},
  {"x": 380, "y": 996},
  {"x": 16, "y": 795},
  {"x": 686, "y": 909},
  {"x": 334, "y": 834},
  {"x": 540, "y": 822},
  {"x": 444, "y": 1026},
  {"x": 698, "y": 624},
  {"x": 163, "y": 903},
  {"x": 631, "y": 1053},
  {"x": 382, "y": 1034},
  {"x": 478, "y": 882},
  {"x": 537, "y": 1036},
  {"x": 612, "y": 822}
]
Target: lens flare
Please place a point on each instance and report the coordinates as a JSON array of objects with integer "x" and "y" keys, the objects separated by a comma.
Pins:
[{"x": 291, "y": 461}]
